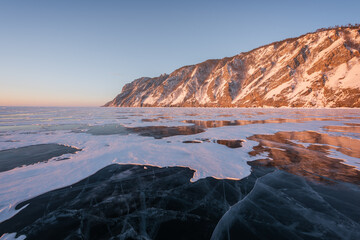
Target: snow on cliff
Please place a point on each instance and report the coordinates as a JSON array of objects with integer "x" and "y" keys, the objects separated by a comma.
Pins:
[{"x": 320, "y": 69}]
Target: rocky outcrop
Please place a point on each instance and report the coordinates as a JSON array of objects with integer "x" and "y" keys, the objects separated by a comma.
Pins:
[{"x": 320, "y": 69}]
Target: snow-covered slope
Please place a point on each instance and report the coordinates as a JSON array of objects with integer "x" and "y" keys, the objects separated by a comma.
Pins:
[{"x": 320, "y": 69}]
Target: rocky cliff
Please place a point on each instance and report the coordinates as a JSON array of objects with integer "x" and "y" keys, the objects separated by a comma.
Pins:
[{"x": 320, "y": 69}]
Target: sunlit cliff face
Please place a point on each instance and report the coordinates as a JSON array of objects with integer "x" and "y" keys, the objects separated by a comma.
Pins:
[{"x": 314, "y": 70}]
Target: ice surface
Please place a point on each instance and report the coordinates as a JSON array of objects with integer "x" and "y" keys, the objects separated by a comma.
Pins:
[
  {"x": 84, "y": 128},
  {"x": 130, "y": 202},
  {"x": 285, "y": 206},
  {"x": 17, "y": 157}
]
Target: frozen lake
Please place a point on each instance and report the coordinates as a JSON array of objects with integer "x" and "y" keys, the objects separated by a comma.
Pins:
[{"x": 51, "y": 148}]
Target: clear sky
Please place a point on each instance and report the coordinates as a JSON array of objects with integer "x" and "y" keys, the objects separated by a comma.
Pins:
[{"x": 81, "y": 53}]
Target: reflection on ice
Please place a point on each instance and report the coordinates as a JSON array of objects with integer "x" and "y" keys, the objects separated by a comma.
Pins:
[
  {"x": 156, "y": 132},
  {"x": 155, "y": 119},
  {"x": 108, "y": 129},
  {"x": 223, "y": 123},
  {"x": 348, "y": 129},
  {"x": 229, "y": 143},
  {"x": 311, "y": 161}
]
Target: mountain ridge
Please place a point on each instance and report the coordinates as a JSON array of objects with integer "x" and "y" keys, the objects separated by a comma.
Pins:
[{"x": 317, "y": 69}]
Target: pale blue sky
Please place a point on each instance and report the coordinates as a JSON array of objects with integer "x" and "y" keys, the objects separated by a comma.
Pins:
[{"x": 81, "y": 53}]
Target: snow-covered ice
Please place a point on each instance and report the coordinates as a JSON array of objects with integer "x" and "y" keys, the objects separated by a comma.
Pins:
[{"x": 21, "y": 127}]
